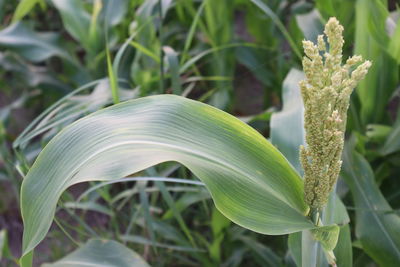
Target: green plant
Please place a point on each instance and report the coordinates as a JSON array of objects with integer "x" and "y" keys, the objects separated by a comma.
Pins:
[
  {"x": 238, "y": 55},
  {"x": 250, "y": 182}
]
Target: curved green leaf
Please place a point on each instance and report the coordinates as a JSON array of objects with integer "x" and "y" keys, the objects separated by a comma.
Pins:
[
  {"x": 24, "y": 7},
  {"x": 75, "y": 18},
  {"x": 342, "y": 251},
  {"x": 377, "y": 228},
  {"x": 264, "y": 7},
  {"x": 114, "y": 12},
  {"x": 392, "y": 142},
  {"x": 327, "y": 235},
  {"x": 97, "y": 252},
  {"x": 250, "y": 182},
  {"x": 33, "y": 46}
]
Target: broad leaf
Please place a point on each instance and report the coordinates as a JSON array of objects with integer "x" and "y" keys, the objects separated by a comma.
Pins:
[
  {"x": 76, "y": 20},
  {"x": 97, "y": 252},
  {"x": 343, "y": 250},
  {"x": 114, "y": 11},
  {"x": 327, "y": 236},
  {"x": 250, "y": 182},
  {"x": 34, "y": 46},
  {"x": 287, "y": 130},
  {"x": 310, "y": 24},
  {"x": 377, "y": 226},
  {"x": 371, "y": 42},
  {"x": 88, "y": 29},
  {"x": 30, "y": 74},
  {"x": 394, "y": 44}
]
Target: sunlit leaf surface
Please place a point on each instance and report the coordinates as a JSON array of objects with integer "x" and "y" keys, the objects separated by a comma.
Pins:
[
  {"x": 101, "y": 253},
  {"x": 250, "y": 182}
]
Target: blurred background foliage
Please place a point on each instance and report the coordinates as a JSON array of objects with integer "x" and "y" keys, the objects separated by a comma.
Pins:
[{"x": 63, "y": 59}]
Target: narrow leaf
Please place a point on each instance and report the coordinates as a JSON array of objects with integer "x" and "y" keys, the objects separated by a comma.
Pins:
[
  {"x": 23, "y": 8},
  {"x": 392, "y": 142},
  {"x": 4, "y": 249},
  {"x": 278, "y": 24},
  {"x": 173, "y": 66},
  {"x": 112, "y": 76}
]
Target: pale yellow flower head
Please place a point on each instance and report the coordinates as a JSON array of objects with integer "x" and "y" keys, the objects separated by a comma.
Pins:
[{"x": 326, "y": 94}]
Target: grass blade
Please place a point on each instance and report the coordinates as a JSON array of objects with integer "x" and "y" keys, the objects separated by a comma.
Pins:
[{"x": 279, "y": 24}]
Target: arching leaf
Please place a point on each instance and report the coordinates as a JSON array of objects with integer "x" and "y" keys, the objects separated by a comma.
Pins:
[{"x": 249, "y": 180}]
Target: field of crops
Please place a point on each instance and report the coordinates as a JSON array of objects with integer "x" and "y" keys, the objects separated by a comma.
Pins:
[{"x": 199, "y": 133}]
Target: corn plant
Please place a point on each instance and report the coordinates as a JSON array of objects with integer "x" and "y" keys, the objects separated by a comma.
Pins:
[{"x": 249, "y": 180}]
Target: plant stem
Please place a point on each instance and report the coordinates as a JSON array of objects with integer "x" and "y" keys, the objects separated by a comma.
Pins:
[
  {"x": 312, "y": 252},
  {"x": 309, "y": 249},
  {"x": 327, "y": 219},
  {"x": 309, "y": 246}
]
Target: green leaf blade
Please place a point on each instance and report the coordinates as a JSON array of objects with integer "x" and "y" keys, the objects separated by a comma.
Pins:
[
  {"x": 33, "y": 46},
  {"x": 23, "y": 8},
  {"x": 250, "y": 181},
  {"x": 377, "y": 228},
  {"x": 97, "y": 252},
  {"x": 287, "y": 125}
]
